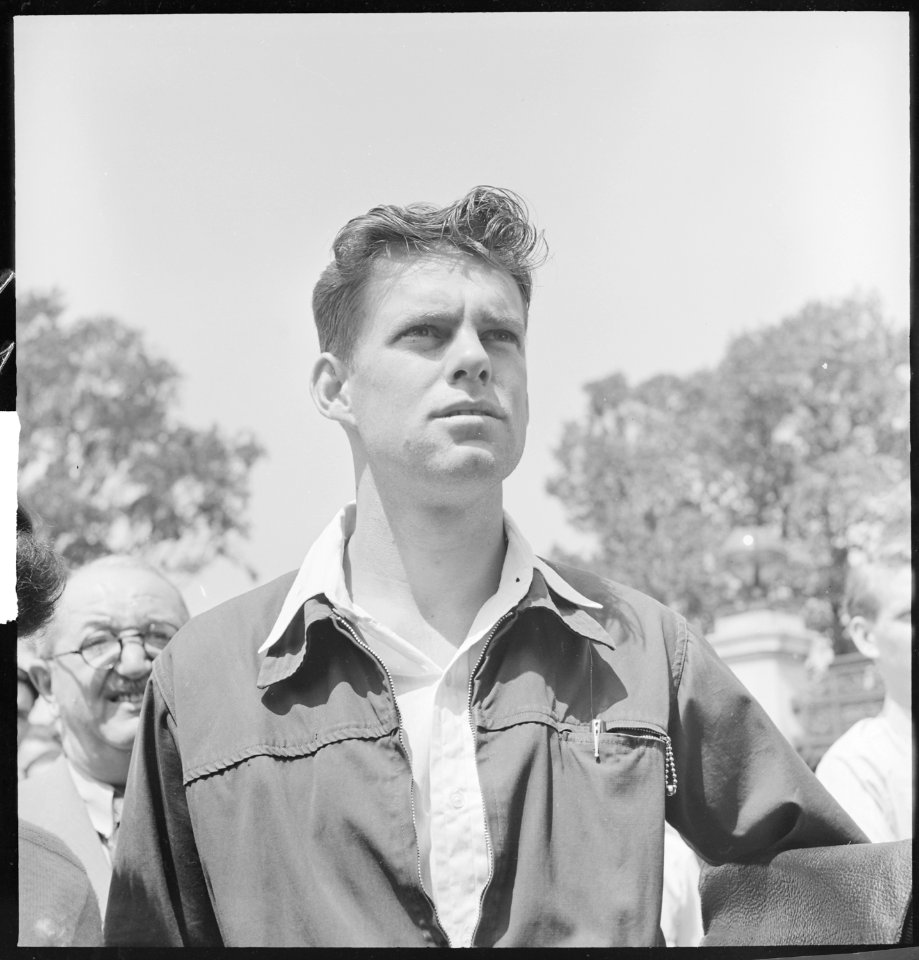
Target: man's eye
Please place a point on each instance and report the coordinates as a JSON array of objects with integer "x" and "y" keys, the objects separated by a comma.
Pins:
[
  {"x": 502, "y": 336},
  {"x": 97, "y": 640},
  {"x": 159, "y": 637},
  {"x": 420, "y": 331}
]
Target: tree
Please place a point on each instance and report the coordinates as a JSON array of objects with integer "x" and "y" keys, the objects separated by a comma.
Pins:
[
  {"x": 104, "y": 461},
  {"x": 802, "y": 427}
]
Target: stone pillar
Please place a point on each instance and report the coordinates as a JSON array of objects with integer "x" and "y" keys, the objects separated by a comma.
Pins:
[{"x": 767, "y": 650}]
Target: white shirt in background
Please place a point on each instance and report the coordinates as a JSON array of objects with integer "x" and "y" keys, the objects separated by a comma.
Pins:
[{"x": 869, "y": 771}]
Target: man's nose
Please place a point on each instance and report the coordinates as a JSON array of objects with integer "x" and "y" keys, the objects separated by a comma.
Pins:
[
  {"x": 468, "y": 357},
  {"x": 133, "y": 661}
]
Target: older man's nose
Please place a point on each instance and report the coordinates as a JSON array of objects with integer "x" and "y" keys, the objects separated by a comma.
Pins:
[{"x": 133, "y": 661}]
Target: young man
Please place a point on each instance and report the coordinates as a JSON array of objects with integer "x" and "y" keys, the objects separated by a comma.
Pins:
[
  {"x": 429, "y": 736},
  {"x": 869, "y": 769}
]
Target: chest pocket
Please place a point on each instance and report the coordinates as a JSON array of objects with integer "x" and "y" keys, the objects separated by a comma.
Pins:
[
  {"x": 338, "y": 693},
  {"x": 615, "y": 737}
]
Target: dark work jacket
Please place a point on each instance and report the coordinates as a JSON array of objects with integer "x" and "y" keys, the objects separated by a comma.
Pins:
[{"x": 269, "y": 798}]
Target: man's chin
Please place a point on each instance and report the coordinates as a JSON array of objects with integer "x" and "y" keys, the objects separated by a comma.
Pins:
[
  {"x": 471, "y": 462},
  {"x": 121, "y": 728},
  {"x": 482, "y": 461}
]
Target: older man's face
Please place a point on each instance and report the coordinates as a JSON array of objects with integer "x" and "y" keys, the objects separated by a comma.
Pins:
[{"x": 99, "y": 706}]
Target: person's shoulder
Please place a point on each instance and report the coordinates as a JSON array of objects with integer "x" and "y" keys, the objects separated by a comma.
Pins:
[
  {"x": 32, "y": 835},
  {"x": 860, "y": 743},
  {"x": 57, "y": 904},
  {"x": 632, "y": 619},
  {"x": 613, "y": 595},
  {"x": 232, "y": 630},
  {"x": 44, "y": 782},
  {"x": 249, "y": 613},
  {"x": 256, "y": 604}
]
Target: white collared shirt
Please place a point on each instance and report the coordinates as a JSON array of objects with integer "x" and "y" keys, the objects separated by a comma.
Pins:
[
  {"x": 434, "y": 714},
  {"x": 100, "y": 799}
]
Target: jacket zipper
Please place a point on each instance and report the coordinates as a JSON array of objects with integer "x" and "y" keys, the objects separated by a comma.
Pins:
[
  {"x": 647, "y": 733},
  {"x": 488, "y": 847},
  {"x": 353, "y": 633}
]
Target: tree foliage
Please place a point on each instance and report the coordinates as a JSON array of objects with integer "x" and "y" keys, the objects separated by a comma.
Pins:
[
  {"x": 103, "y": 459},
  {"x": 801, "y": 428}
]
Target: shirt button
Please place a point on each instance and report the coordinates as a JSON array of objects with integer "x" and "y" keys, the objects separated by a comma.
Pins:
[{"x": 457, "y": 799}]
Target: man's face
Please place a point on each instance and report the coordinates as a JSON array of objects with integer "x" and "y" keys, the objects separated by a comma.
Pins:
[
  {"x": 437, "y": 384},
  {"x": 99, "y": 708},
  {"x": 893, "y": 631}
]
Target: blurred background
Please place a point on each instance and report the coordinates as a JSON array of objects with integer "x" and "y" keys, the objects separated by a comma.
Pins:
[{"x": 718, "y": 347}]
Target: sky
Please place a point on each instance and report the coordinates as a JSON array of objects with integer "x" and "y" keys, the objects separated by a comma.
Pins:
[{"x": 696, "y": 175}]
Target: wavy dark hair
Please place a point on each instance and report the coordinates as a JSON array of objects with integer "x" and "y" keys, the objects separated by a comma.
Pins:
[
  {"x": 488, "y": 222},
  {"x": 40, "y": 576}
]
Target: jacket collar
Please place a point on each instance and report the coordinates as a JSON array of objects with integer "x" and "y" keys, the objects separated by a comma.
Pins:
[
  {"x": 284, "y": 657},
  {"x": 542, "y": 593},
  {"x": 286, "y": 654}
]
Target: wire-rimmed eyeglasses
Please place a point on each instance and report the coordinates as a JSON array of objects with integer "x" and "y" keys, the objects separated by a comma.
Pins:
[{"x": 104, "y": 647}]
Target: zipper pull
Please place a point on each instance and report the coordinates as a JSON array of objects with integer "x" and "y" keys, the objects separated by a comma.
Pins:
[
  {"x": 669, "y": 770},
  {"x": 595, "y": 726}
]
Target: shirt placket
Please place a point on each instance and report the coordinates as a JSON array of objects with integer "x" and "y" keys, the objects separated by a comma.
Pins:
[{"x": 459, "y": 855}]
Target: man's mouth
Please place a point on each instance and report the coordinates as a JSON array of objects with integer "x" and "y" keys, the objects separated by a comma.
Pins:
[
  {"x": 127, "y": 692},
  {"x": 475, "y": 410}
]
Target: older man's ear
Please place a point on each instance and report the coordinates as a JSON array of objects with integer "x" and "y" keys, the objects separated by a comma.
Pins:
[{"x": 40, "y": 675}]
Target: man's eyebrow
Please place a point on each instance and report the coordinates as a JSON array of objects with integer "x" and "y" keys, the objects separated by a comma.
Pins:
[
  {"x": 510, "y": 320},
  {"x": 448, "y": 316},
  {"x": 428, "y": 316}
]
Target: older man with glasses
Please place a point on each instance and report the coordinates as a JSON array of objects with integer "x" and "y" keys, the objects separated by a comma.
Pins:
[{"x": 114, "y": 618}]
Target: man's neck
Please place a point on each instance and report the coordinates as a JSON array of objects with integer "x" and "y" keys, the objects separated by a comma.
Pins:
[
  {"x": 425, "y": 570},
  {"x": 899, "y": 717},
  {"x": 112, "y": 768}
]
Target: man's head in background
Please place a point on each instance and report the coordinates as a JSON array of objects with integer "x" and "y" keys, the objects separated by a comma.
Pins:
[
  {"x": 114, "y": 617},
  {"x": 40, "y": 578},
  {"x": 879, "y": 596}
]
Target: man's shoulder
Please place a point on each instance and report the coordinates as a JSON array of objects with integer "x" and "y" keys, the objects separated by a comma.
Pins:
[
  {"x": 224, "y": 639},
  {"x": 866, "y": 743},
  {"x": 238, "y": 620},
  {"x": 46, "y": 786},
  {"x": 612, "y": 595},
  {"x": 49, "y": 845}
]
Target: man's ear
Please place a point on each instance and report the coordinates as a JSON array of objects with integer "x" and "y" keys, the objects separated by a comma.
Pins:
[
  {"x": 329, "y": 388},
  {"x": 861, "y": 631},
  {"x": 40, "y": 675}
]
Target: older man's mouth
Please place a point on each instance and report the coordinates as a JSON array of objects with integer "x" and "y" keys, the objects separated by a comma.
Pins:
[{"x": 131, "y": 692}]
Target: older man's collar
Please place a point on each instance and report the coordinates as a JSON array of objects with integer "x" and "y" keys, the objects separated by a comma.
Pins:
[{"x": 98, "y": 797}]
